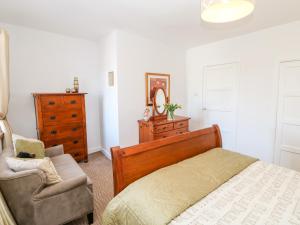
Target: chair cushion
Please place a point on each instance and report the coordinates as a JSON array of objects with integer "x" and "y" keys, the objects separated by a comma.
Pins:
[
  {"x": 29, "y": 145},
  {"x": 45, "y": 164},
  {"x": 68, "y": 168}
]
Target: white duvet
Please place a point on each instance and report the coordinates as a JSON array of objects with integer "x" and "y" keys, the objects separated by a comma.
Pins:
[{"x": 261, "y": 194}]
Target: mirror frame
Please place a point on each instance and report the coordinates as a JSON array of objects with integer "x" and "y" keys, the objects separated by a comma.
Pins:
[{"x": 154, "y": 101}]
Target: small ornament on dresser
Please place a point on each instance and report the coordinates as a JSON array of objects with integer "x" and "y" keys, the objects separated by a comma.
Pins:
[
  {"x": 68, "y": 90},
  {"x": 76, "y": 85},
  {"x": 147, "y": 114}
]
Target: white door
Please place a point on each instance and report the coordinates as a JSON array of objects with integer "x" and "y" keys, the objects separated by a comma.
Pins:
[
  {"x": 287, "y": 147},
  {"x": 220, "y": 100}
]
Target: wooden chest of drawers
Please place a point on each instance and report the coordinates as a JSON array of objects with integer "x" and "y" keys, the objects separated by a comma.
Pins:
[
  {"x": 60, "y": 119},
  {"x": 156, "y": 129}
]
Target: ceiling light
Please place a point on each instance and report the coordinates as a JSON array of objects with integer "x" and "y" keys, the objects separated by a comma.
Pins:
[{"x": 222, "y": 11}]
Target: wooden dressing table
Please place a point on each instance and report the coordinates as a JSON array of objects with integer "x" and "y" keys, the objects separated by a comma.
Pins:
[
  {"x": 159, "y": 126},
  {"x": 162, "y": 128}
]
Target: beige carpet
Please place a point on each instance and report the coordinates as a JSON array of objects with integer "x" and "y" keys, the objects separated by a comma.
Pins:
[{"x": 100, "y": 171}]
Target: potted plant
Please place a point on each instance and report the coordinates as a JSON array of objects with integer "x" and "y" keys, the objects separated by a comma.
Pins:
[{"x": 170, "y": 107}]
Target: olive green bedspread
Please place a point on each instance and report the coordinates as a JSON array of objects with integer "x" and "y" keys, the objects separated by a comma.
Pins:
[{"x": 161, "y": 196}]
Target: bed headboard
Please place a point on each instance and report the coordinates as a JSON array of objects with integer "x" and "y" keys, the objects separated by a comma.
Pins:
[{"x": 132, "y": 163}]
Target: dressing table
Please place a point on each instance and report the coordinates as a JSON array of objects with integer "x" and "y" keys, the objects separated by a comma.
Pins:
[
  {"x": 162, "y": 128},
  {"x": 159, "y": 126}
]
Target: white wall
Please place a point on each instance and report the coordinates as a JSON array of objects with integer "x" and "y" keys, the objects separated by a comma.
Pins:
[
  {"x": 42, "y": 61},
  {"x": 109, "y": 95},
  {"x": 47, "y": 62},
  {"x": 259, "y": 55},
  {"x": 136, "y": 56}
]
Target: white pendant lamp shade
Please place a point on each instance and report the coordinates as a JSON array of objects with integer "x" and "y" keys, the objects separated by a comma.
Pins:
[{"x": 222, "y": 11}]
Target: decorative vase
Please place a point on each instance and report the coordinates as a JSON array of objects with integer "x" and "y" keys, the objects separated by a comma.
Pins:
[
  {"x": 170, "y": 115},
  {"x": 76, "y": 85}
]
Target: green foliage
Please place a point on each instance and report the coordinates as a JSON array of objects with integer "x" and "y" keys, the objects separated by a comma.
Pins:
[{"x": 170, "y": 107}]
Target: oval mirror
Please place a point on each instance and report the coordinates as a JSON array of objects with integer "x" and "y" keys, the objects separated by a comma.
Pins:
[{"x": 159, "y": 101}]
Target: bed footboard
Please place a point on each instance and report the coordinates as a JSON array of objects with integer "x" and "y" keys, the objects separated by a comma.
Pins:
[{"x": 132, "y": 163}]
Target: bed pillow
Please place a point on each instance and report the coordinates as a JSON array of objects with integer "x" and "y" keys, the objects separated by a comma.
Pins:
[
  {"x": 45, "y": 164},
  {"x": 32, "y": 146}
]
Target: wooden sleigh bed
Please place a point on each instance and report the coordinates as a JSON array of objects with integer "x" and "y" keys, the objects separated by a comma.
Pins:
[
  {"x": 132, "y": 163},
  {"x": 190, "y": 179}
]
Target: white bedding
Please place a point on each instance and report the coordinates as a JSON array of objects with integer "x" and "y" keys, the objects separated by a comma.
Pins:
[{"x": 261, "y": 194}]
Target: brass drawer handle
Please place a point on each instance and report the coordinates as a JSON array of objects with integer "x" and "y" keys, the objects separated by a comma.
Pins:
[
  {"x": 51, "y": 103},
  {"x": 53, "y": 132},
  {"x": 73, "y": 102},
  {"x": 75, "y": 142},
  {"x": 74, "y": 115},
  {"x": 52, "y": 117},
  {"x": 74, "y": 129}
]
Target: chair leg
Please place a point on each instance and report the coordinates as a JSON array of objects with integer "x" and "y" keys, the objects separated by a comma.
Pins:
[{"x": 90, "y": 218}]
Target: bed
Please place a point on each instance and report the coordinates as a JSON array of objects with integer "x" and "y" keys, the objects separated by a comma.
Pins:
[{"x": 190, "y": 180}]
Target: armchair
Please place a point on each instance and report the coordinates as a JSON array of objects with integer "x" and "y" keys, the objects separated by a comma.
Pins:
[{"x": 31, "y": 202}]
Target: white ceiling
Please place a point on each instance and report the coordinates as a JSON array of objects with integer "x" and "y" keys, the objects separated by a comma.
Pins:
[{"x": 171, "y": 21}]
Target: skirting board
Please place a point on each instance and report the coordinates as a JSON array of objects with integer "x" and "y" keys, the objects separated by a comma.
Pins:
[
  {"x": 105, "y": 152},
  {"x": 93, "y": 150}
]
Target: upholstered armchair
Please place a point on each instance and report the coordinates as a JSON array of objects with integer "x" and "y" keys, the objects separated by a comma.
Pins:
[{"x": 31, "y": 202}]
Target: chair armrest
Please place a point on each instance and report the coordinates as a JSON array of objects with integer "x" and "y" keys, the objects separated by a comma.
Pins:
[
  {"x": 54, "y": 151},
  {"x": 61, "y": 187},
  {"x": 12, "y": 182}
]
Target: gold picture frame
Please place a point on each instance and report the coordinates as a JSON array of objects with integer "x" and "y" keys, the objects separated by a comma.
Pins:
[{"x": 156, "y": 80}]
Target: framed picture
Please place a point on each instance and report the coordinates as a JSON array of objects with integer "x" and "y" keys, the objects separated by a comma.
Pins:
[{"x": 154, "y": 81}]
